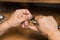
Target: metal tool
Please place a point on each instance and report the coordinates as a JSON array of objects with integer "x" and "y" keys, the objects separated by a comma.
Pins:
[{"x": 1, "y": 17}]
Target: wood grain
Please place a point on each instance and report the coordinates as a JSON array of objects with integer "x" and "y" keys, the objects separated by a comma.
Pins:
[{"x": 33, "y": 1}]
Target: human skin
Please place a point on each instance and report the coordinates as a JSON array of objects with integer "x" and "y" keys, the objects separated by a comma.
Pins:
[
  {"x": 16, "y": 19},
  {"x": 46, "y": 25}
]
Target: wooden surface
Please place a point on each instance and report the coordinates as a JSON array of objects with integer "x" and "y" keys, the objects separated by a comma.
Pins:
[{"x": 33, "y": 1}]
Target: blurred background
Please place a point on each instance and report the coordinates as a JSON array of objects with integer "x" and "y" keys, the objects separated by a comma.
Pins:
[{"x": 36, "y": 7}]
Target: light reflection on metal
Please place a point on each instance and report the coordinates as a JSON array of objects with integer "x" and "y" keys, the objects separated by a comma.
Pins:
[
  {"x": 1, "y": 17},
  {"x": 32, "y": 21}
]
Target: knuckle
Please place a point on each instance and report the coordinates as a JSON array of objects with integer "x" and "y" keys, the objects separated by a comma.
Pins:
[
  {"x": 36, "y": 17},
  {"x": 22, "y": 9},
  {"x": 41, "y": 16},
  {"x": 50, "y": 16},
  {"x": 44, "y": 17},
  {"x": 25, "y": 9},
  {"x": 17, "y": 9}
]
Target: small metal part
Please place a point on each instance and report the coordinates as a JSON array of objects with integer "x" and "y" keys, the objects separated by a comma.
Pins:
[
  {"x": 33, "y": 22},
  {"x": 1, "y": 17},
  {"x": 58, "y": 26}
]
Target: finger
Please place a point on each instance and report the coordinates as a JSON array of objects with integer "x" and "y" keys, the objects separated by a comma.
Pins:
[
  {"x": 52, "y": 20},
  {"x": 39, "y": 19},
  {"x": 27, "y": 26},
  {"x": 24, "y": 18},
  {"x": 28, "y": 14},
  {"x": 22, "y": 25},
  {"x": 43, "y": 23},
  {"x": 19, "y": 11},
  {"x": 36, "y": 18},
  {"x": 24, "y": 11},
  {"x": 34, "y": 28},
  {"x": 46, "y": 23}
]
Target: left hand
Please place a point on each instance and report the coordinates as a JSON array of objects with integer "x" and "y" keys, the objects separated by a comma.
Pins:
[{"x": 19, "y": 16}]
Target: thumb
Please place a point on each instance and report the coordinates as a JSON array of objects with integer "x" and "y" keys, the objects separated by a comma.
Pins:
[{"x": 27, "y": 26}]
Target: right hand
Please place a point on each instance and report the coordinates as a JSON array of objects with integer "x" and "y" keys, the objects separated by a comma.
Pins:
[{"x": 46, "y": 24}]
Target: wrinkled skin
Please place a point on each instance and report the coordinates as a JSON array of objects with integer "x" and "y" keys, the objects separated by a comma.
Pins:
[
  {"x": 16, "y": 19},
  {"x": 19, "y": 16},
  {"x": 46, "y": 24}
]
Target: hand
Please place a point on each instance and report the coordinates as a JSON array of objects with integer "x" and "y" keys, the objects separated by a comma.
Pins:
[
  {"x": 19, "y": 16},
  {"x": 46, "y": 24},
  {"x": 30, "y": 26}
]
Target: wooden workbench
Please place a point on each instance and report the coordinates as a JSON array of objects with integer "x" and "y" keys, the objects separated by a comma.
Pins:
[{"x": 33, "y": 1}]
